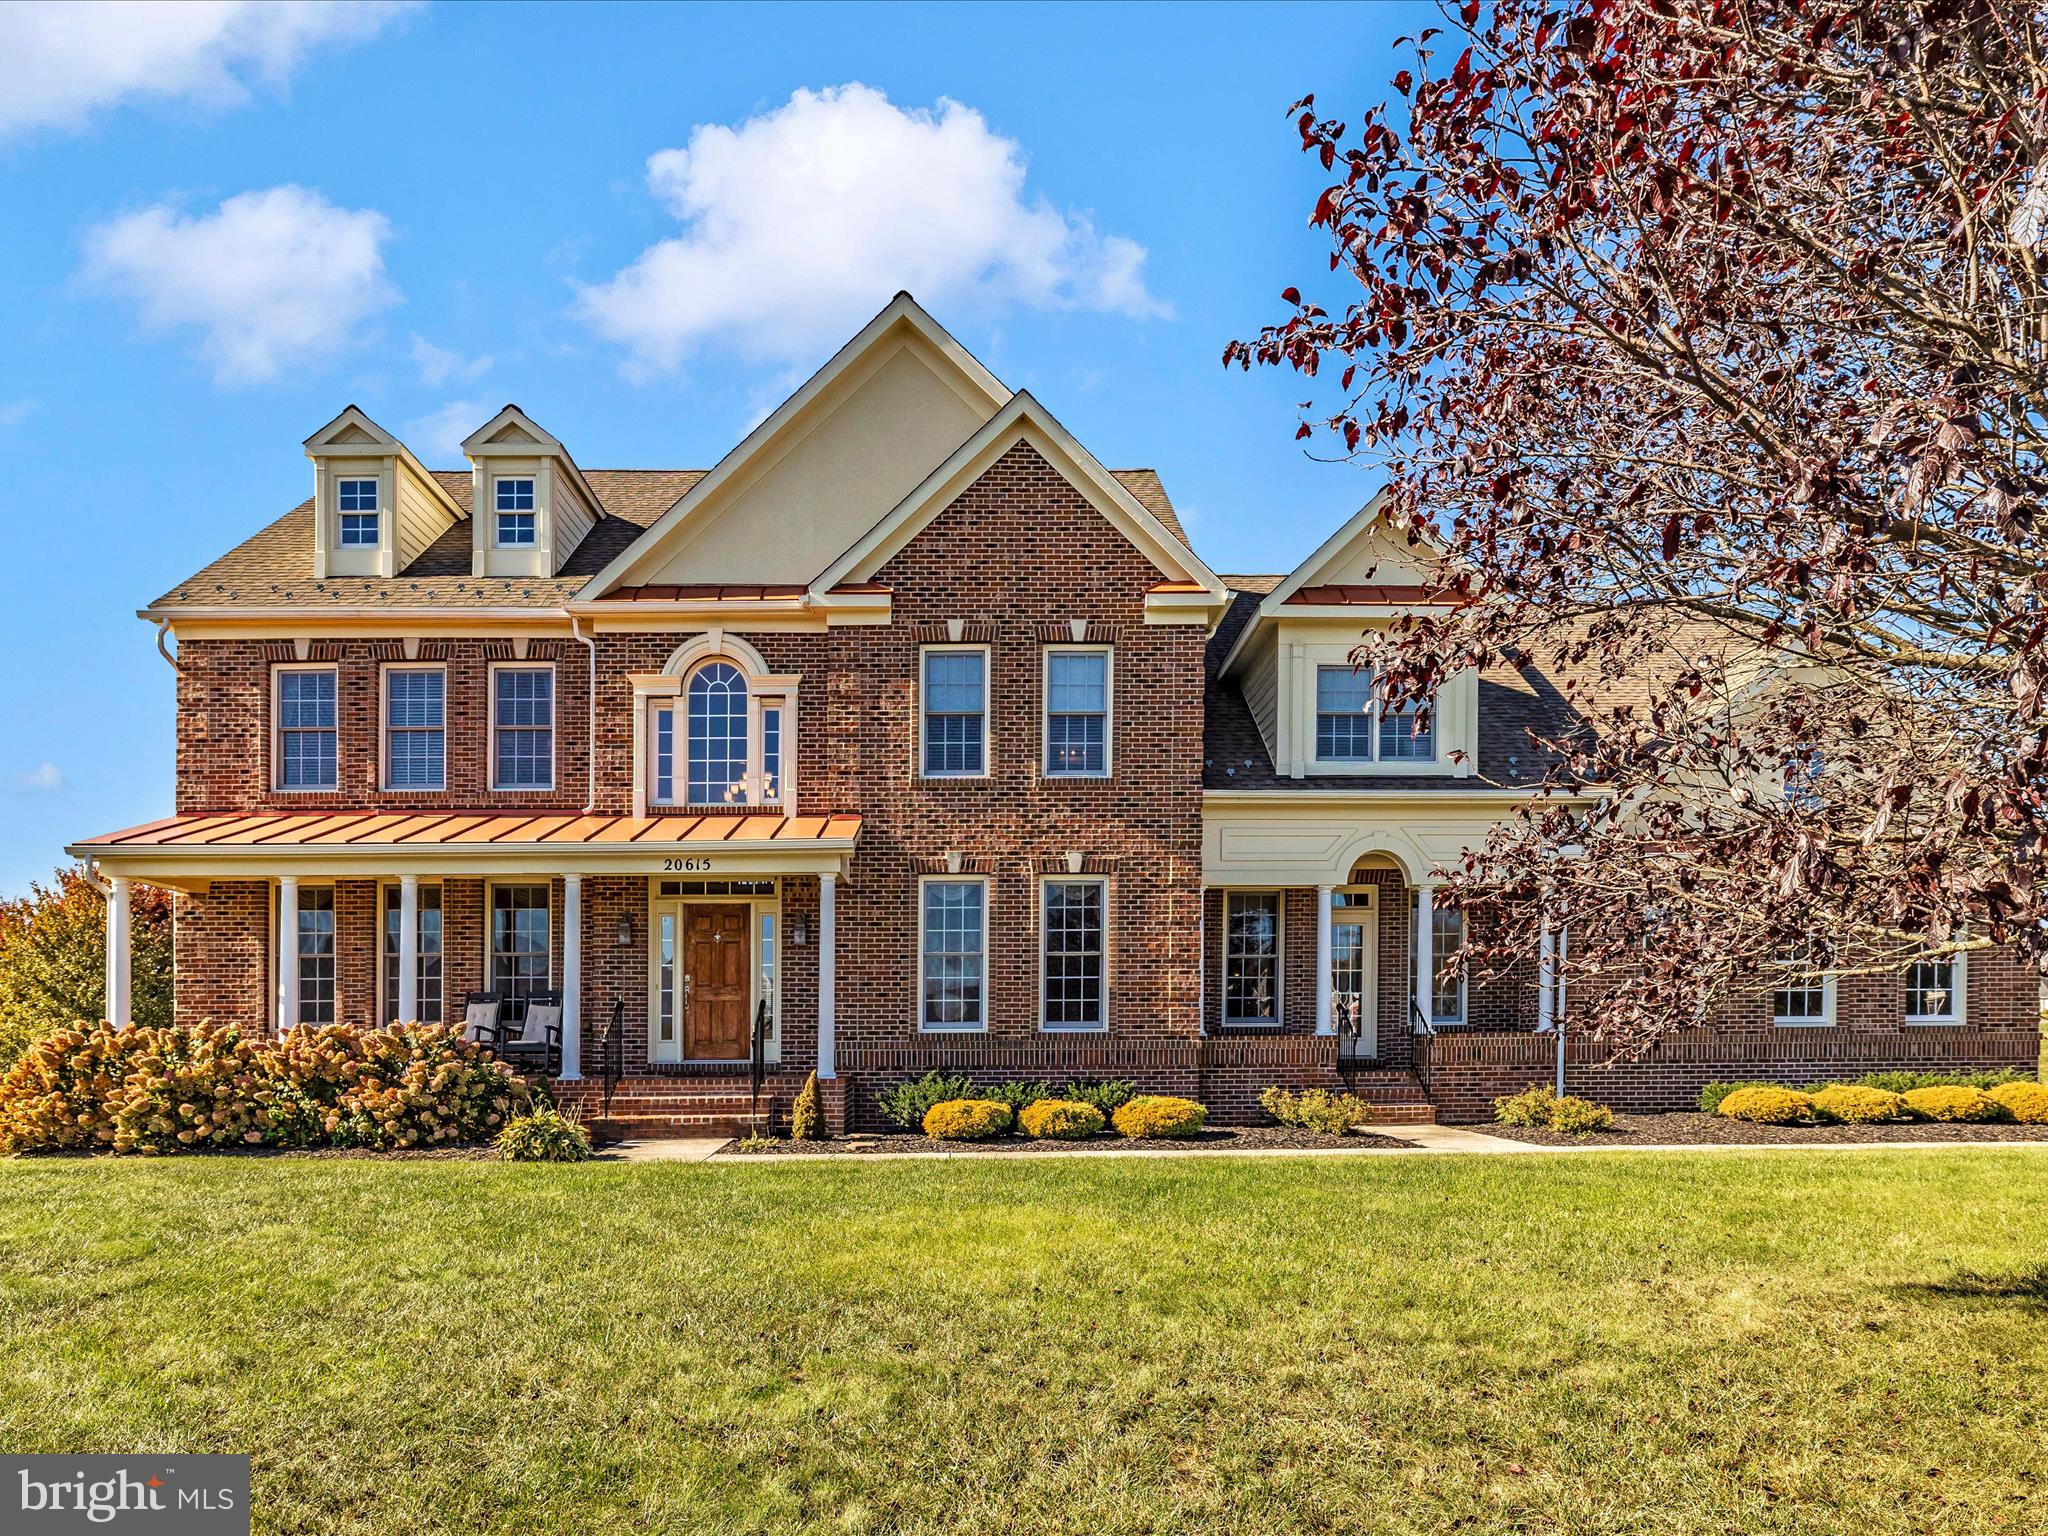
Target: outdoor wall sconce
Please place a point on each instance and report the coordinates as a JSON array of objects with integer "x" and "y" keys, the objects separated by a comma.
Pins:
[
  {"x": 626, "y": 931},
  {"x": 799, "y": 931}
]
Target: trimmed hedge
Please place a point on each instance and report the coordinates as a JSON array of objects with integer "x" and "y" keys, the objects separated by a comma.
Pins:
[
  {"x": 193, "y": 1088},
  {"x": 1158, "y": 1114},
  {"x": 1768, "y": 1105},
  {"x": 1059, "y": 1120},
  {"x": 967, "y": 1120},
  {"x": 1853, "y": 1104},
  {"x": 1969, "y": 1105},
  {"x": 1317, "y": 1109},
  {"x": 2025, "y": 1102}
]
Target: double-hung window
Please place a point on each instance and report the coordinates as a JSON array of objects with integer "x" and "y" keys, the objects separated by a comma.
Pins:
[
  {"x": 1355, "y": 725},
  {"x": 523, "y": 727},
  {"x": 1446, "y": 945},
  {"x": 1251, "y": 957},
  {"x": 955, "y": 711},
  {"x": 1934, "y": 990},
  {"x": 415, "y": 728},
  {"x": 1806, "y": 995},
  {"x": 515, "y": 527},
  {"x": 316, "y": 954},
  {"x": 521, "y": 954},
  {"x": 427, "y": 936},
  {"x": 1073, "y": 954},
  {"x": 355, "y": 503},
  {"x": 1077, "y": 712},
  {"x": 953, "y": 955},
  {"x": 306, "y": 729}
]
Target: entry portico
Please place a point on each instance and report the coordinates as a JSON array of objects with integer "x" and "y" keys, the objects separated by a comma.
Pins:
[{"x": 678, "y": 862}]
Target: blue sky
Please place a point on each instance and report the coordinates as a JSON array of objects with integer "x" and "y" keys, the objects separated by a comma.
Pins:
[{"x": 642, "y": 223}]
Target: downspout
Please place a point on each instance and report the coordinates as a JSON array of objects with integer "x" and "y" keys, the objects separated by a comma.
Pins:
[
  {"x": 589, "y": 711},
  {"x": 163, "y": 628}
]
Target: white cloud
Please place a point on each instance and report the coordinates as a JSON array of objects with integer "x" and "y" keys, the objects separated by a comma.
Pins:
[
  {"x": 271, "y": 278},
  {"x": 15, "y": 412},
  {"x": 800, "y": 223},
  {"x": 46, "y": 778},
  {"x": 437, "y": 436},
  {"x": 64, "y": 61},
  {"x": 438, "y": 365}
]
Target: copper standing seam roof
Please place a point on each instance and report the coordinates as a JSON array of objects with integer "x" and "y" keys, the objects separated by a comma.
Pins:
[{"x": 468, "y": 829}]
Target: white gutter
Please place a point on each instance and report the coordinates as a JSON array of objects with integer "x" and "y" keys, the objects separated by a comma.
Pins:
[
  {"x": 589, "y": 711},
  {"x": 163, "y": 629}
]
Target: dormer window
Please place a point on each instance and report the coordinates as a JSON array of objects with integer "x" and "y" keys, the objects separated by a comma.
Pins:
[
  {"x": 356, "y": 503},
  {"x": 1355, "y": 725},
  {"x": 516, "y": 526}
]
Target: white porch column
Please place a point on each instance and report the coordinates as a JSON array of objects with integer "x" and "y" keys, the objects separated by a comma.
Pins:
[
  {"x": 287, "y": 952},
  {"x": 1425, "y": 955},
  {"x": 828, "y": 974},
  {"x": 119, "y": 963},
  {"x": 572, "y": 977},
  {"x": 408, "y": 948},
  {"x": 1546, "y": 979},
  {"x": 1325, "y": 1024}
]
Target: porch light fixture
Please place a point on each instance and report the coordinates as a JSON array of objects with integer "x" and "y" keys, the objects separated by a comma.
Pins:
[
  {"x": 799, "y": 931},
  {"x": 625, "y": 930}
]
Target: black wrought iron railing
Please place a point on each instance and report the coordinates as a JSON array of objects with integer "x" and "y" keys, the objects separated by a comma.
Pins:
[
  {"x": 757, "y": 1058},
  {"x": 611, "y": 1054}
]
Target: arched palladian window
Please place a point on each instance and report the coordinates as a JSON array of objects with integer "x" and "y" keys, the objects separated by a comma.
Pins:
[{"x": 717, "y": 725}]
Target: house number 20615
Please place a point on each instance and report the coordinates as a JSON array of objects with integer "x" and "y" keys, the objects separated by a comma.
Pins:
[{"x": 685, "y": 866}]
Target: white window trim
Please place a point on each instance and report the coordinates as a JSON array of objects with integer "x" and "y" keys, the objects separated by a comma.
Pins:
[
  {"x": 765, "y": 690},
  {"x": 987, "y": 692},
  {"x": 554, "y": 726},
  {"x": 1308, "y": 717},
  {"x": 277, "y": 783},
  {"x": 758, "y": 907},
  {"x": 1108, "y": 927},
  {"x": 384, "y": 728},
  {"x": 376, "y": 484},
  {"x": 1449, "y": 1020},
  {"x": 276, "y": 939},
  {"x": 388, "y": 888},
  {"x": 1805, "y": 1021},
  {"x": 491, "y": 887},
  {"x": 529, "y": 545},
  {"x": 1279, "y": 1018},
  {"x": 979, "y": 1027},
  {"x": 1958, "y": 998},
  {"x": 1108, "y": 768}
]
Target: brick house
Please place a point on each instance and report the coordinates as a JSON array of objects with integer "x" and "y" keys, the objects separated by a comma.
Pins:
[{"x": 907, "y": 736}]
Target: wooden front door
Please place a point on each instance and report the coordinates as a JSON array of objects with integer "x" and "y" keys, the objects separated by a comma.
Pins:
[{"x": 717, "y": 990}]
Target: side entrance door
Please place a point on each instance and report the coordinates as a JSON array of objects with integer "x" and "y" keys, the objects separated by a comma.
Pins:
[
  {"x": 717, "y": 979},
  {"x": 1354, "y": 972}
]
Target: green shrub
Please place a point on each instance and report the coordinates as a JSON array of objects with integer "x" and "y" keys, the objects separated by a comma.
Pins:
[
  {"x": 1530, "y": 1107},
  {"x": 2025, "y": 1102},
  {"x": 1767, "y": 1104},
  {"x": 545, "y": 1136},
  {"x": 1316, "y": 1109},
  {"x": 193, "y": 1087},
  {"x": 803, "y": 1114},
  {"x": 905, "y": 1104},
  {"x": 1853, "y": 1104},
  {"x": 967, "y": 1120},
  {"x": 1574, "y": 1116},
  {"x": 1107, "y": 1094},
  {"x": 1957, "y": 1103},
  {"x": 1016, "y": 1094},
  {"x": 1059, "y": 1120},
  {"x": 1156, "y": 1114},
  {"x": 1907, "y": 1081},
  {"x": 1712, "y": 1095}
]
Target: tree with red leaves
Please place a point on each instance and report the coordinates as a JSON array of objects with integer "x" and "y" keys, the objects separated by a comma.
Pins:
[{"x": 1709, "y": 336}]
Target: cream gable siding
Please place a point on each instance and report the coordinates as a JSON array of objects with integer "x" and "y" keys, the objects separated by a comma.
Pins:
[
  {"x": 1261, "y": 687},
  {"x": 1381, "y": 558},
  {"x": 512, "y": 446},
  {"x": 418, "y": 519},
  {"x": 794, "y": 510},
  {"x": 1301, "y": 646},
  {"x": 412, "y": 508}
]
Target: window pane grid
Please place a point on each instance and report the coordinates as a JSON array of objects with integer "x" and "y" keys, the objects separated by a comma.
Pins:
[
  {"x": 1073, "y": 952},
  {"x": 1801, "y": 1001},
  {"x": 356, "y": 502},
  {"x": 1446, "y": 943},
  {"x": 415, "y": 723},
  {"x": 1931, "y": 989},
  {"x": 1400, "y": 740},
  {"x": 316, "y": 955},
  {"x": 955, "y": 701},
  {"x": 1077, "y": 712},
  {"x": 1343, "y": 714},
  {"x": 429, "y": 941},
  {"x": 665, "y": 756},
  {"x": 717, "y": 735},
  {"x": 519, "y": 939},
  {"x": 954, "y": 931},
  {"x": 1251, "y": 958},
  {"x": 306, "y": 730},
  {"x": 525, "y": 716}
]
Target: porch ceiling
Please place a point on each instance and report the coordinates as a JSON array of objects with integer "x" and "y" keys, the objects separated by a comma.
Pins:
[{"x": 189, "y": 852}]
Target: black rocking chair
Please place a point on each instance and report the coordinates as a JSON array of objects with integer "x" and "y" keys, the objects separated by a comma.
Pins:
[{"x": 531, "y": 1035}]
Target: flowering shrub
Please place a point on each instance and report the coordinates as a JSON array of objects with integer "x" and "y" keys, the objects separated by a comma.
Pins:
[
  {"x": 194, "y": 1087},
  {"x": 967, "y": 1120},
  {"x": 1059, "y": 1120},
  {"x": 1764, "y": 1105},
  {"x": 1158, "y": 1114},
  {"x": 545, "y": 1136},
  {"x": 1969, "y": 1104},
  {"x": 1316, "y": 1109},
  {"x": 2025, "y": 1102},
  {"x": 1853, "y": 1104}
]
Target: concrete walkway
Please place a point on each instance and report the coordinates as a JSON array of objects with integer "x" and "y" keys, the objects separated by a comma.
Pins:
[{"x": 663, "y": 1149}]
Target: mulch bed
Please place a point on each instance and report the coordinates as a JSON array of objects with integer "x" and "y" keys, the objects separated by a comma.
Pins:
[
  {"x": 1695, "y": 1129},
  {"x": 1215, "y": 1139}
]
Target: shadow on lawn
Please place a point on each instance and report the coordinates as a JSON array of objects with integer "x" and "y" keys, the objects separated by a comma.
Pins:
[{"x": 2028, "y": 1287}]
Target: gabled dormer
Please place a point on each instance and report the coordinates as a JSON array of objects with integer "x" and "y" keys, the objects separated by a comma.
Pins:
[
  {"x": 533, "y": 506},
  {"x": 1319, "y": 715},
  {"x": 375, "y": 506}
]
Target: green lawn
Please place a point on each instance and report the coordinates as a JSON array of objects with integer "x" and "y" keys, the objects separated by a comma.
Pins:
[{"x": 1729, "y": 1343}]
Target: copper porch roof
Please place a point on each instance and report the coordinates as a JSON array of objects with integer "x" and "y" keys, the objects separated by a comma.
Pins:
[{"x": 467, "y": 829}]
